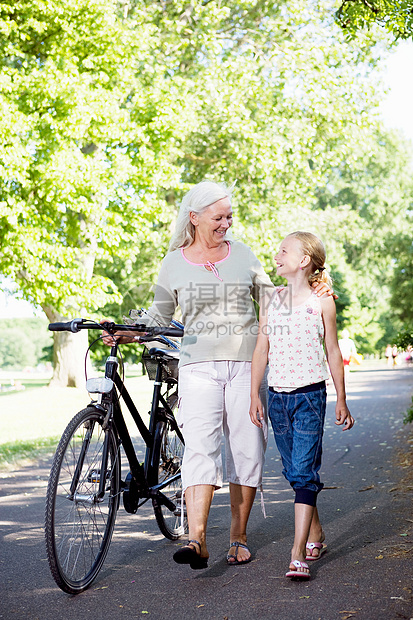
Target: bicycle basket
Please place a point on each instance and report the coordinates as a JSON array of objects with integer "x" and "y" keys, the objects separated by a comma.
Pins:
[{"x": 169, "y": 368}]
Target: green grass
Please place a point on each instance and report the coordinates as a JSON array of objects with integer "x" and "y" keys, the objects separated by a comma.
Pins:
[
  {"x": 28, "y": 384},
  {"x": 12, "y": 453},
  {"x": 32, "y": 420}
]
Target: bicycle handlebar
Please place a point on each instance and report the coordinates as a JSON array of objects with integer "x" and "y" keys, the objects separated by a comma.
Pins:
[
  {"x": 71, "y": 326},
  {"x": 76, "y": 325}
]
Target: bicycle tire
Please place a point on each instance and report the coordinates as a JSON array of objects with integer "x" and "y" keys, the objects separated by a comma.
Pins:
[
  {"x": 167, "y": 461},
  {"x": 78, "y": 527}
]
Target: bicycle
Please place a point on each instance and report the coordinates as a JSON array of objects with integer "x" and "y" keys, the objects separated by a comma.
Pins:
[{"x": 83, "y": 494}]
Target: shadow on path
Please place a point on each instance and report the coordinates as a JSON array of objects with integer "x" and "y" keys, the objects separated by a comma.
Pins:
[{"x": 366, "y": 513}]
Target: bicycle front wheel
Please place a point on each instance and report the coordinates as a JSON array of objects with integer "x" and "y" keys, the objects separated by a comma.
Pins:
[
  {"x": 79, "y": 521},
  {"x": 166, "y": 463}
]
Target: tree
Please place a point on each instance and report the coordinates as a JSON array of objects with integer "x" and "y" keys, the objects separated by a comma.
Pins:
[
  {"x": 402, "y": 280},
  {"x": 281, "y": 107},
  {"x": 113, "y": 109},
  {"x": 295, "y": 124},
  {"x": 395, "y": 16},
  {"x": 370, "y": 202},
  {"x": 90, "y": 129}
]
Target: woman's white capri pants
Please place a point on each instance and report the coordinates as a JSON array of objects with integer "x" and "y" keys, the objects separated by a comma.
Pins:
[{"x": 214, "y": 398}]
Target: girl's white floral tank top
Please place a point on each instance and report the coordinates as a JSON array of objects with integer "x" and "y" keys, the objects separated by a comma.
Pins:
[{"x": 296, "y": 336}]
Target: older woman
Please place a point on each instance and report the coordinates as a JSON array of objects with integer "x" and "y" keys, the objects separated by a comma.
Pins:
[{"x": 214, "y": 280}]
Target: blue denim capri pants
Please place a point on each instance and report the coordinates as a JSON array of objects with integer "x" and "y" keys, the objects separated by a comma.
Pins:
[{"x": 297, "y": 420}]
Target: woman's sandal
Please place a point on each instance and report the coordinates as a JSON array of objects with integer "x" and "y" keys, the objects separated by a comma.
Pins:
[
  {"x": 236, "y": 562},
  {"x": 298, "y": 573},
  {"x": 322, "y": 548},
  {"x": 188, "y": 555}
]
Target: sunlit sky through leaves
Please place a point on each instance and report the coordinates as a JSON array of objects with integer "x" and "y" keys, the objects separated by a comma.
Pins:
[
  {"x": 397, "y": 107},
  {"x": 396, "y": 112}
]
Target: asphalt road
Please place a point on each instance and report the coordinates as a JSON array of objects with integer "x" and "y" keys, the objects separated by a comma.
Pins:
[{"x": 366, "y": 510}]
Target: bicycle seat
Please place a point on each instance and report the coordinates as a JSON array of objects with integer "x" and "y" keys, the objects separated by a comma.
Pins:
[{"x": 166, "y": 353}]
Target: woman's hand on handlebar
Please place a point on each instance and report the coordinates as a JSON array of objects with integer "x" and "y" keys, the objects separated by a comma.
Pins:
[{"x": 120, "y": 337}]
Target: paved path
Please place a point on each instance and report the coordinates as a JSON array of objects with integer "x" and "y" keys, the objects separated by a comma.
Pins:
[{"x": 366, "y": 510}]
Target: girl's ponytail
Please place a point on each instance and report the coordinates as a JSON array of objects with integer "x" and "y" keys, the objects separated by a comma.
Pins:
[{"x": 320, "y": 275}]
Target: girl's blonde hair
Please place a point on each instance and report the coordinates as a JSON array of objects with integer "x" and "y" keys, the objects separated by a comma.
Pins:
[
  {"x": 197, "y": 200},
  {"x": 314, "y": 248}
]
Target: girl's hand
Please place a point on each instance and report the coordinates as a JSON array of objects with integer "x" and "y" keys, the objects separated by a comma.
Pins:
[
  {"x": 321, "y": 288},
  {"x": 343, "y": 416},
  {"x": 256, "y": 411}
]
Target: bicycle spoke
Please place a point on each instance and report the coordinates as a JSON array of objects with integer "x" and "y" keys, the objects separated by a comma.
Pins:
[
  {"x": 79, "y": 525},
  {"x": 168, "y": 453}
]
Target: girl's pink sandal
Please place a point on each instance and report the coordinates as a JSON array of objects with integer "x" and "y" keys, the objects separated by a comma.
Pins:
[
  {"x": 298, "y": 574},
  {"x": 316, "y": 545}
]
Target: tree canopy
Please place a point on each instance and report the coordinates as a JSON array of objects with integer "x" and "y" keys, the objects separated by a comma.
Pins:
[
  {"x": 113, "y": 109},
  {"x": 89, "y": 133},
  {"x": 394, "y": 16}
]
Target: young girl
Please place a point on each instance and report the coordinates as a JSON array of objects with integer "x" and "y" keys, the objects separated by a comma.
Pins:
[{"x": 292, "y": 330}]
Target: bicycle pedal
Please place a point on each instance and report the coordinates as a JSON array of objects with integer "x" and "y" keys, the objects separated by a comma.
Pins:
[
  {"x": 94, "y": 476},
  {"x": 177, "y": 512}
]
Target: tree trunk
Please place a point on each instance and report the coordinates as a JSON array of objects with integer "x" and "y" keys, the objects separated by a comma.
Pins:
[{"x": 69, "y": 352}]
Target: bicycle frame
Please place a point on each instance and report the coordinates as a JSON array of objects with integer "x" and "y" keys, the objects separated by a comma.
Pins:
[
  {"x": 85, "y": 483},
  {"x": 110, "y": 403}
]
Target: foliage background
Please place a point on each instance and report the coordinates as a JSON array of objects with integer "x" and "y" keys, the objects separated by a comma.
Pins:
[
  {"x": 24, "y": 343},
  {"x": 113, "y": 109}
]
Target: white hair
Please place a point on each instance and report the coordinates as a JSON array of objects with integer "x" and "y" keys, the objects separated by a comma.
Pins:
[{"x": 197, "y": 200}]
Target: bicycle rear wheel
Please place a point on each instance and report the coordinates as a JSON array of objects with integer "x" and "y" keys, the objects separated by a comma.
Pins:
[
  {"x": 166, "y": 462},
  {"x": 78, "y": 523}
]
